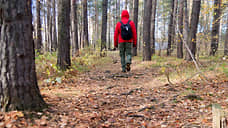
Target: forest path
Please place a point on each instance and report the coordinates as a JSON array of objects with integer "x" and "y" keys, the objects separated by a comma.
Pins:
[
  {"x": 105, "y": 97},
  {"x": 109, "y": 75}
]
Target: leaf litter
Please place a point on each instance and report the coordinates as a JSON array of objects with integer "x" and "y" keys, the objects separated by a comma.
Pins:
[{"x": 106, "y": 98}]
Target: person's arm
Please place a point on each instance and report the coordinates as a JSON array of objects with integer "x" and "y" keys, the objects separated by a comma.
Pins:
[
  {"x": 116, "y": 34},
  {"x": 134, "y": 34}
]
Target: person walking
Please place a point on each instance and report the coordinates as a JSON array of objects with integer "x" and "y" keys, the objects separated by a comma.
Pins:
[{"x": 125, "y": 36}]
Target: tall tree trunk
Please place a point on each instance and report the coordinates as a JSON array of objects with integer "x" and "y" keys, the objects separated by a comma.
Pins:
[
  {"x": 193, "y": 28},
  {"x": 116, "y": 12},
  {"x": 136, "y": 8},
  {"x": 81, "y": 29},
  {"x": 38, "y": 28},
  {"x": 75, "y": 27},
  {"x": 174, "y": 26},
  {"x": 109, "y": 31},
  {"x": 126, "y": 3},
  {"x": 215, "y": 27},
  {"x": 85, "y": 23},
  {"x": 226, "y": 40},
  {"x": 146, "y": 30},
  {"x": 45, "y": 25},
  {"x": 152, "y": 35},
  {"x": 48, "y": 25},
  {"x": 0, "y": 25},
  {"x": 186, "y": 27},
  {"x": 54, "y": 41},
  {"x": 96, "y": 23},
  {"x": 131, "y": 8},
  {"x": 140, "y": 43},
  {"x": 104, "y": 26},
  {"x": 170, "y": 29},
  {"x": 164, "y": 37},
  {"x": 63, "y": 60},
  {"x": 180, "y": 25},
  {"x": 19, "y": 89},
  {"x": 118, "y": 8},
  {"x": 50, "y": 32}
]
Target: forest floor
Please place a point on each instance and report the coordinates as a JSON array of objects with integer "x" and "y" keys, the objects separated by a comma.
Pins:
[{"x": 103, "y": 97}]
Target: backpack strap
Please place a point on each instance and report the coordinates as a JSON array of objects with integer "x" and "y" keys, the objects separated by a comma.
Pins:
[
  {"x": 127, "y": 22},
  {"x": 121, "y": 22}
]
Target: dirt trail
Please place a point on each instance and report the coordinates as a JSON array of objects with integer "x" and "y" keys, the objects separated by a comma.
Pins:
[
  {"x": 103, "y": 89},
  {"x": 109, "y": 76},
  {"x": 107, "y": 98}
]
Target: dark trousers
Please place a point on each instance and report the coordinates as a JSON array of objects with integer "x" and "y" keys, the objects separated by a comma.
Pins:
[{"x": 125, "y": 54}]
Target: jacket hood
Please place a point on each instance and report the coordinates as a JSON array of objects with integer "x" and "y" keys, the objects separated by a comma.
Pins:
[{"x": 125, "y": 14}]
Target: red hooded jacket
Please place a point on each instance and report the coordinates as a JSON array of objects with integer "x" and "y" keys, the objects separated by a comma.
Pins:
[{"x": 117, "y": 34}]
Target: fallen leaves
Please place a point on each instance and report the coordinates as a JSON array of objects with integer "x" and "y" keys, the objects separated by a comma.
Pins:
[{"x": 108, "y": 99}]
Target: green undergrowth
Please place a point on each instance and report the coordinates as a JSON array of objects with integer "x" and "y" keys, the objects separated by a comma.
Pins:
[
  {"x": 179, "y": 70},
  {"x": 48, "y": 72},
  {"x": 216, "y": 64}
]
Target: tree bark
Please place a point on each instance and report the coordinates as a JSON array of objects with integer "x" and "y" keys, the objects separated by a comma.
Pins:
[
  {"x": 193, "y": 29},
  {"x": 180, "y": 25},
  {"x": 140, "y": 36},
  {"x": 96, "y": 23},
  {"x": 0, "y": 24},
  {"x": 174, "y": 26},
  {"x": 118, "y": 8},
  {"x": 19, "y": 89},
  {"x": 136, "y": 8},
  {"x": 104, "y": 27},
  {"x": 81, "y": 29},
  {"x": 186, "y": 26},
  {"x": 50, "y": 31},
  {"x": 131, "y": 8},
  {"x": 48, "y": 25},
  {"x": 206, "y": 31},
  {"x": 45, "y": 26},
  {"x": 54, "y": 41},
  {"x": 126, "y": 3},
  {"x": 109, "y": 30},
  {"x": 226, "y": 40},
  {"x": 215, "y": 27},
  {"x": 63, "y": 60},
  {"x": 75, "y": 28},
  {"x": 85, "y": 23},
  {"x": 146, "y": 30},
  {"x": 170, "y": 29},
  {"x": 38, "y": 28},
  {"x": 141, "y": 28},
  {"x": 153, "y": 17}
]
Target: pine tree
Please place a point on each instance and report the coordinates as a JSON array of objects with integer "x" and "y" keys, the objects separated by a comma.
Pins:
[
  {"x": 38, "y": 28},
  {"x": 104, "y": 26},
  {"x": 85, "y": 23},
  {"x": 19, "y": 89},
  {"x": 193, "y": 28},
  {"x": 146, "y": 30},
  {"x": 64, "y": 61},
  {"x": 136, "y": 8},
  {"x": 153, "y": 17},
  {"x": 180, "y": 28},
  {"x": 215, "y": 27}
]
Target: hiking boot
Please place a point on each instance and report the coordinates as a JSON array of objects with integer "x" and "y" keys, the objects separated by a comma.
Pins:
[{"x": 128, "y": 67}]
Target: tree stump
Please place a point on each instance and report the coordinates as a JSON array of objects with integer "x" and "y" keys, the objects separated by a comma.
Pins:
[{"x": 219, "y": 117}]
